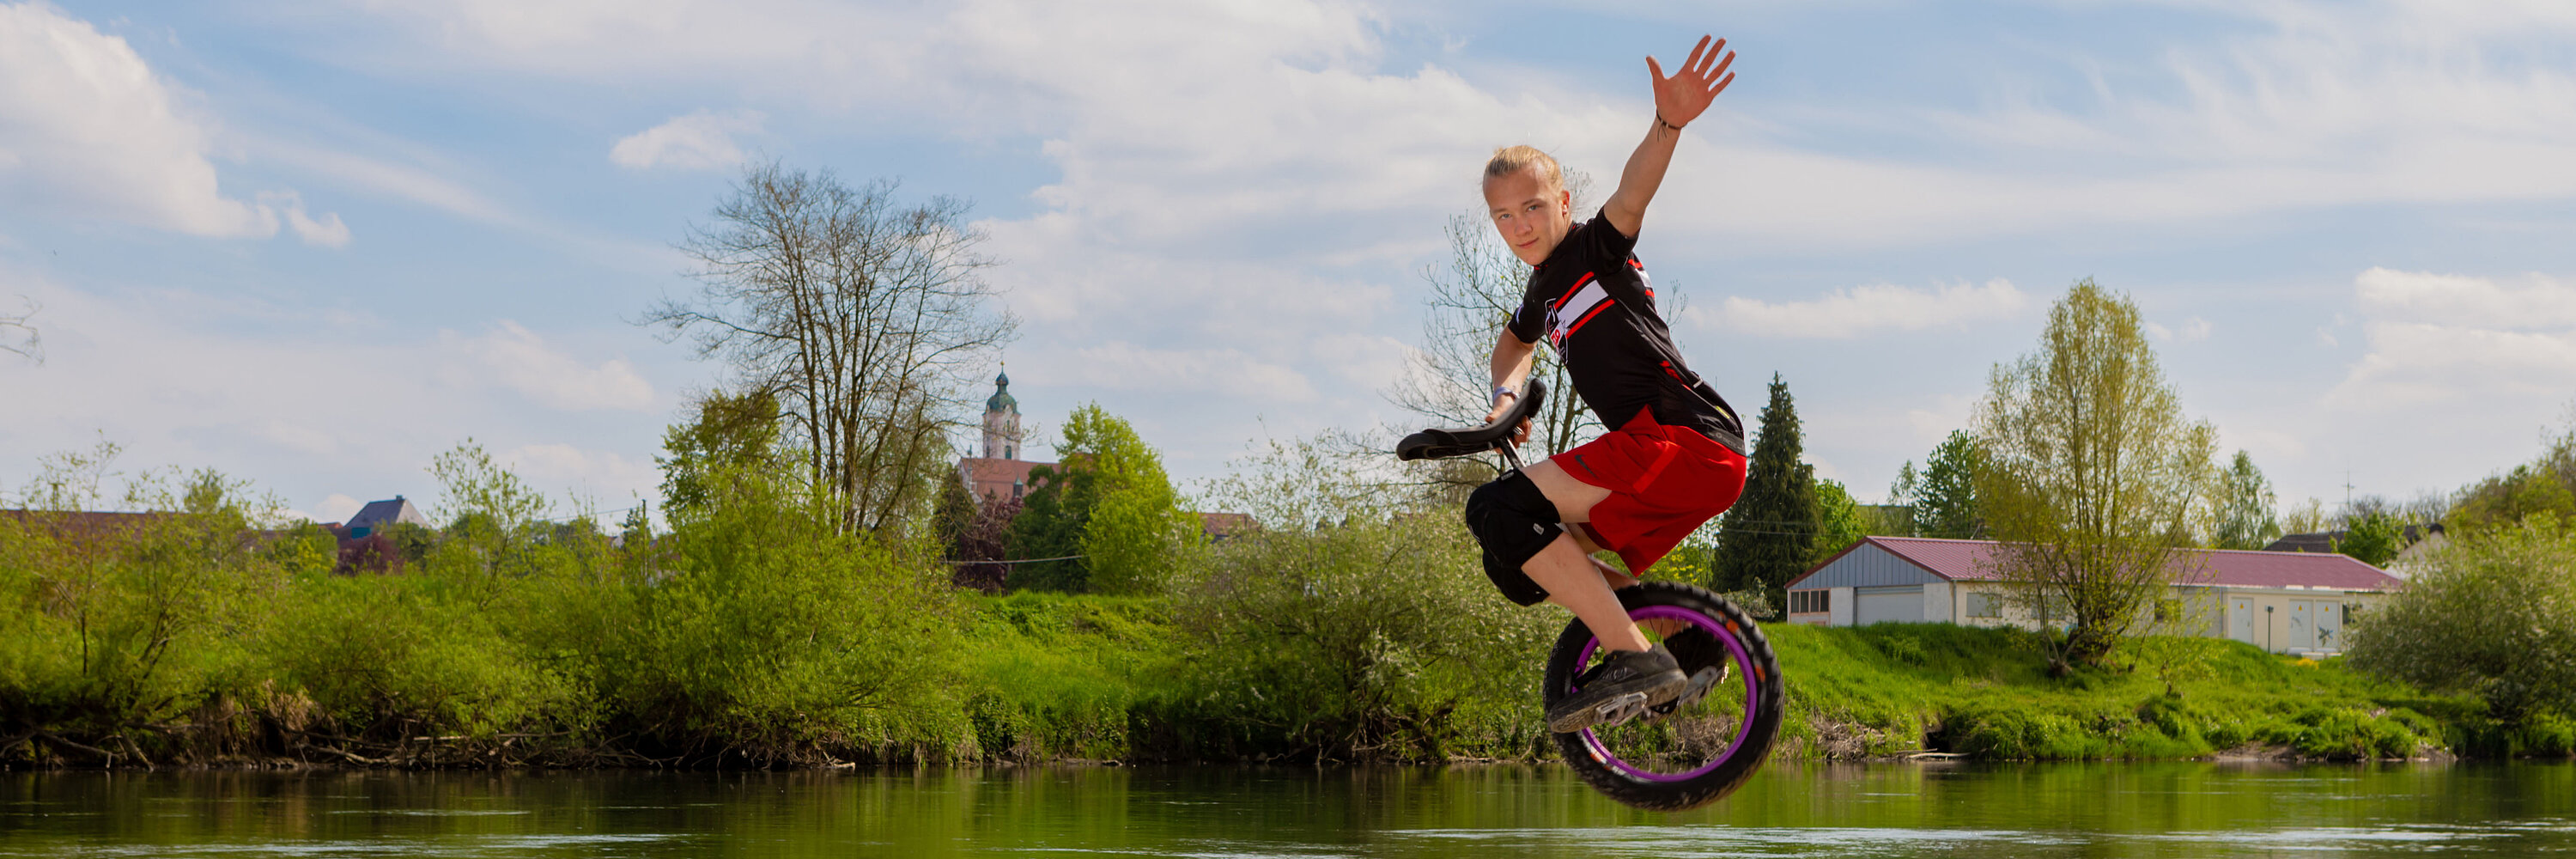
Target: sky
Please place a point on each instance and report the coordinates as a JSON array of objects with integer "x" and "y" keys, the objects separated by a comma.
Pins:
[{"x": 314, "y": 244}]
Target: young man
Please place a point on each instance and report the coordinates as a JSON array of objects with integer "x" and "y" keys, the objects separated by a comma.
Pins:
[{"x": 1674, "y": 456}]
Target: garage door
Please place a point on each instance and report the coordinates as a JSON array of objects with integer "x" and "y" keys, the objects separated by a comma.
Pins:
[{"x": 1885, "y": 605}]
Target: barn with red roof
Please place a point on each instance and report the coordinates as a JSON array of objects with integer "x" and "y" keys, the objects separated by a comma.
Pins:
[{"x": 2284, "y": 602}]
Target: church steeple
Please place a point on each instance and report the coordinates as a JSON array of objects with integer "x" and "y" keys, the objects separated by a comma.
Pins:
[{"x": 1002, "y": 420}]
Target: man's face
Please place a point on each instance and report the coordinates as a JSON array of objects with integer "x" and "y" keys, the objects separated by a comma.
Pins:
[{"x": 1531, "y": 215}]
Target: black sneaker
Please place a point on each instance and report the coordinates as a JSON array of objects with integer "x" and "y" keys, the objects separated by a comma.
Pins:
[{"x": 1619, "y": 689}]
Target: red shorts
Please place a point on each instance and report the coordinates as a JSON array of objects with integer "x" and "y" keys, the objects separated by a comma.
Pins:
[{"x": 1664, "y": 483}]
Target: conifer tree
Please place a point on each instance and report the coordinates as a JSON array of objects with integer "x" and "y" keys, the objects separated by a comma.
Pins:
[{"x": 1769, "y": 536}]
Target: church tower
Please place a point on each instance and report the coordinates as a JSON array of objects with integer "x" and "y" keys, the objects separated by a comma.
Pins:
[{"x": 1002, "y": 421}]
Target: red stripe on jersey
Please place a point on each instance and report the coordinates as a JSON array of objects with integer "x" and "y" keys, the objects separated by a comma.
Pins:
[
  {"x": 1596, "y": 311},
  {"x": 1571, "y": 290}
]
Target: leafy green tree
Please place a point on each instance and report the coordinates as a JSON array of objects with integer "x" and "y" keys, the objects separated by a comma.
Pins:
[
  {"x": 732, "y": 434},
  {"x": 1943, "y": 496},
  {"x": 1839, "y": 518},
  {"x": 2373, "y": 537},
  {"x": 1109, "y": 504},
  {"x": 2245, "y": 504},
  {"x": 2493, "y": 614},
  {"x": 1769, "y": 536},
  {"x": 2089, "y": 473}
]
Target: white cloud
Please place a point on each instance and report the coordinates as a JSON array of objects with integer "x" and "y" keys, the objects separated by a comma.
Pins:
[
  {"x": 337, "y": 508},
  {"x": 1120, "y": 365},
  {"x": 2537, "y": 302},
  {"x": 86, "y": 126},
  {"x": 311, "y": 403},
  {"x": 1847, "y": 313},
  {"x": 520, "y": 360},
  {"x": 2437, "y": 338},
  {"x": 591, "y": 475},
  {"x": 698, "y": 141},
  {"x": 2194, "y": 328},
  {"x": 326, "y": 231}
]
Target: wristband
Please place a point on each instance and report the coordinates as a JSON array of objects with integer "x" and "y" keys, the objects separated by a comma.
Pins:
[
  {"x": 1659, "y": 120},
  {"x": 1501, "y": 391}
]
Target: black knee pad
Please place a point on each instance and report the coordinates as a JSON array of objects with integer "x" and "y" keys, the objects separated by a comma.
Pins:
[{"x": 1513, "y": 521}]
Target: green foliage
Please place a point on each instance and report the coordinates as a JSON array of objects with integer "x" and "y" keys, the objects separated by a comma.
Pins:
[
  {"x": 2245, "y": 502},
  {"x": 1108, "y": 502},
  {"x": 1769, "y": 536},
  {"x": 732, "y": 434},
  {"x": 115, "y": 620},
  {"x": 1943, "y": 496},
  {"x": 2089, "y": 473},
  {"x": 1840, "y": 521},
  {"x": 405, "y": 650},
  {"x": 2519, "y": 494},
  {"x": 1058, "y": 675},
  {"x": 759, "y": 621},
  {"x": 1349, "y": 627},
  {"x": 2493, "y": 614},
  {"x": 2373, "y": 537}
]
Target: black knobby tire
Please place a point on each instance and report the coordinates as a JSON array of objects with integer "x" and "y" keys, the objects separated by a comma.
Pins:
[{"x": 1678, "y": 763}]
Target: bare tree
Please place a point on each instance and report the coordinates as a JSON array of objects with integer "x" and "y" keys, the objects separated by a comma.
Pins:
[
  {"x": 863, "y": 316},
  {"x": 1450, "y": 383},
  {"x": 19, "y": 337}
]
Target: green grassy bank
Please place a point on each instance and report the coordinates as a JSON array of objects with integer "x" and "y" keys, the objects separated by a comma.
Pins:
[{"x": 1088, "y": 678}]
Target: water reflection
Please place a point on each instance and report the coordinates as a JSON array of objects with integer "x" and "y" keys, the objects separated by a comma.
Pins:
[{"x": 2110, "y": 810}]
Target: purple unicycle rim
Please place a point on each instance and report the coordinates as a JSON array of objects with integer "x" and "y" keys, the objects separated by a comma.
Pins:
[{"x": 1744, "y": 667}]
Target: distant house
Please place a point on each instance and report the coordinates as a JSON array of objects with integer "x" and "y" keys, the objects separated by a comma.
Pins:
[
  {"x": 1220, "y": 527},
  {"x": 377, "y": 515},
  {"x": 2417, "y": 540},
  {"x": 2284, "y": 602}
]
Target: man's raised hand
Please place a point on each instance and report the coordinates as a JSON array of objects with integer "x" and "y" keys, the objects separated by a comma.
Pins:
[{"x": 1684, "y": 96}]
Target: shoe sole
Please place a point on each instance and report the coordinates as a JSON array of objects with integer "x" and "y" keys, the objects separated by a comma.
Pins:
[{"x": 1622, "y": 702}]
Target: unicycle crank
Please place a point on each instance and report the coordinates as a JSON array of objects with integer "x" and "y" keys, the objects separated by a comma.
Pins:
[{"x": 1700, "y": 683}]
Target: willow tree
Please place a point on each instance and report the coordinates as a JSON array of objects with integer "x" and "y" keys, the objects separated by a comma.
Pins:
[
  {"x": 2089, "y": 474},
  {"x": 863, "y": 316}
]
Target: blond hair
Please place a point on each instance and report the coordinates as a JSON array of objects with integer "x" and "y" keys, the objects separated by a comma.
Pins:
[{"x": 1513, "y": 159}]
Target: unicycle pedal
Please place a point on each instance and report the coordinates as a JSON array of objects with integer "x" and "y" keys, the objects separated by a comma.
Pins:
[{"x": 1707, "y": 678}]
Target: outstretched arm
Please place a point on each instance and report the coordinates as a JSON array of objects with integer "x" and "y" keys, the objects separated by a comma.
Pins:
[{"x": 1678, "y": 100}]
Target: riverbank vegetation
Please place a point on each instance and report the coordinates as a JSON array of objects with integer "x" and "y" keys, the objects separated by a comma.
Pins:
[{"x": 752, "y": 632}]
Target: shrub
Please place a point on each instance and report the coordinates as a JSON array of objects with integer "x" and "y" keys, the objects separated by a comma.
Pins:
[
  {"x": 2492, "y": 614},
  {"x": 1347, "y": 626},
  {"x": 755, "y": 622}
]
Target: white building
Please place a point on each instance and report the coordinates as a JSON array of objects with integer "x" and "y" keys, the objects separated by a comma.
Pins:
[{"x": 2284, "y": 602}]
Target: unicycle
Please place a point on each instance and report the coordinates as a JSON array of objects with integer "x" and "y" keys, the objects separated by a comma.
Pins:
[{"x": 1679, "y": 755}]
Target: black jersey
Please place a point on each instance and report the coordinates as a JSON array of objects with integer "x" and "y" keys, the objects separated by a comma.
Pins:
[{"x": 1592, "y": 300}]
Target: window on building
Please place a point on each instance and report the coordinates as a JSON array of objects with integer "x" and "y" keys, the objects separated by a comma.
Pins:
[
  {"x": 1810, "y": 602},
  {"x": 1982, "y": 604}
]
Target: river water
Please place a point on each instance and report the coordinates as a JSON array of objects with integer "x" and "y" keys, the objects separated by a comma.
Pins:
[{"x": 1882, "y": 810}]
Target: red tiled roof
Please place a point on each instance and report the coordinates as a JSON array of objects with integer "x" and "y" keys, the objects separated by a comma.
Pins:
[
  {"x": 1974, "y": 560},
  {"x": 1225, "y": 524},
  {"x": 993, "y": 478}
]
